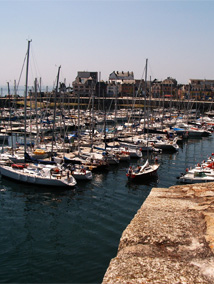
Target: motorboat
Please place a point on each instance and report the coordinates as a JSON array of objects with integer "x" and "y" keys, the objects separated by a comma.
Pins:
[{"x": 197, "y": 175}]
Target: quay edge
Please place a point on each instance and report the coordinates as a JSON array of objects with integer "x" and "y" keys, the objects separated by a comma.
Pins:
[
  {"x": 170, "y": 239},
  {"x": 122, "y": 102}
]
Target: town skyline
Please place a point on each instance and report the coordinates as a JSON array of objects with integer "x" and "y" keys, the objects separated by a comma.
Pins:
[{"x": 107, "y": 36}]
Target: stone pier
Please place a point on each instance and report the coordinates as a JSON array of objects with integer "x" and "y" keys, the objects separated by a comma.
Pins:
[{"x": 170, "y": 240}]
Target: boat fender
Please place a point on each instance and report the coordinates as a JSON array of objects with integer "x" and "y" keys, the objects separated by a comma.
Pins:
[
  {"x": 56, "y": 170},
  {"x": 187, "y": 169},
  {"x": 18, "y": 166},
  {"x": 83, "y": 171}
]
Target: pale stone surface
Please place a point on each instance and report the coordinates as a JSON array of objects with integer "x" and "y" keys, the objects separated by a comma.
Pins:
[{"x": 170, "y": 240}]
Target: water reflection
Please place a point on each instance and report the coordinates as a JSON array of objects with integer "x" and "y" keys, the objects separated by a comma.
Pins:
[
  {"x": 37, "y": 194},
  {"x": 153, "y": 181},
  {"x": 76, "y": 232}
]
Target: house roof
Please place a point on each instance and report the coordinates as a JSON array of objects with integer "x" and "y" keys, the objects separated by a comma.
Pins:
[{"x": 116, "y": 75}]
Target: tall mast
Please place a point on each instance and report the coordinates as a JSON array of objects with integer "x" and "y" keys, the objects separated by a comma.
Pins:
[
  {"x": 92, "y": 115},
  {"x": 145, "y": 96},
  {"x": 35, "y": 90},
  {"x": 15, "y": 97},
  {"x": 115, "y": 113},
  {"x": 26, "y": 87},
  {"x": 53, "y": 135},
  {"x": 10, "y": 106},
  {"x": 78, "y": 129}
]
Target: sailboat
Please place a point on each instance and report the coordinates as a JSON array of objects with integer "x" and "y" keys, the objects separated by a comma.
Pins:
[
  {"x": 147, "y": 170},
  {"x": 38, "y": 175},
  {"x": 47, "y": 175},
  {"x": 143, "y": 172},
  {"x": 167, "y": 145},
  {"x": 79, "y": 171}
]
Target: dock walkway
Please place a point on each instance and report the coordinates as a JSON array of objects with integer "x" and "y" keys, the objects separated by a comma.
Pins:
[{"x": 170, "y": 240}]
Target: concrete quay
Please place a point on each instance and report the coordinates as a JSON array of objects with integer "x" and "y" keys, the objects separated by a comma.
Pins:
[
  {"x": 170, "y": 240},
  {"x": 99, "y": 102}
]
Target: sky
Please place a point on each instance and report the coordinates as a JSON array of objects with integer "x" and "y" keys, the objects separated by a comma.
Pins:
[{"x": 105, "y": 36}]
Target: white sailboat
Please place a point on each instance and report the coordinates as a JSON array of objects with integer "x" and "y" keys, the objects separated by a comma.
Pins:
[
  {"x": 36, "y": 174},
  {"x": 144, "y": 172},
  {"x": 147, "y": 170},
  {"x": 81, "y": 173},
  {"x": 167, "y": 145}
]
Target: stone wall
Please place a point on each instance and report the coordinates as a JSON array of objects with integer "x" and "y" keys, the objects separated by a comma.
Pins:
[{"x": 170, "y": 240}]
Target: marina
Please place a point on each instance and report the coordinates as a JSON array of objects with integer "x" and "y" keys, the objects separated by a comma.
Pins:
[
  {"x": 72, "y": 178},
  {"x": 70, "y": 236},
  {"x": 107, "y": 142}
]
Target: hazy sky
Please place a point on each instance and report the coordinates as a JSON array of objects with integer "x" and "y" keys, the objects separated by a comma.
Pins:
[{"x": 176, "y": 37}]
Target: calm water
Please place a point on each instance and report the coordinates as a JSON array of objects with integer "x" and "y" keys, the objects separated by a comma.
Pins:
[
  {"x": 20, "y": 90},
  {"x": 70, "y": 236}
]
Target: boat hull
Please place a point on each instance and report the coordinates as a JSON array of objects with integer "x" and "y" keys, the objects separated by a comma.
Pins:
[
  {"x": 80, "y": 175},
  {"x": 21, "y": 176},
  {"x": 194, "y": 180},
  {"x": 167, "y": 148},
  {"x": 145, "y": 175}
]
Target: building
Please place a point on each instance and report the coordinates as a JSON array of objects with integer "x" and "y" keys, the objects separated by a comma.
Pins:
[
  {"x": 166, "y": 88},
  {"x": 169, "y": 87},
  {"x": 121, "y": 84},
  {"x": 156, "y": 88},
  {"x": 85, "y": 83},
  {"x": 112, "y": 89},
  {"x": 101, "y": 88},
  {"x": 119, "y": 77},
  {"x": 201, "y": 89}
]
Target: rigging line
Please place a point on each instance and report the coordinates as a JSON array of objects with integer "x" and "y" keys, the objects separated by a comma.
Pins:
[
  {"x": 55, "y": 80},
  {"x": 150, "y": 68},
  {"x": 35, "y": 63},
  {"x": 64, "y": 78},
  {"x": 17, "y": 86},
  {"x": 136, "y": 95}
]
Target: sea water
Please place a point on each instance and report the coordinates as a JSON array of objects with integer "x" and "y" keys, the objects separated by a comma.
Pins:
[{"x": 70, "y": 236}]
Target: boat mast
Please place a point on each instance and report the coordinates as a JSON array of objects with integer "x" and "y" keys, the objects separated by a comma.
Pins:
[
  {"x": 92, "y": 116},
  {"x": 115, "y": 113},
  {"x": 10, "y": 106},
  {"x": 145, "y": 96},
  {"x": 26, "y": 87},
  {"x": 36, "y": 108},
  {"x": 145, "y": 108},
  {"x": 78, "y": 129},
  {"x": 56, "y": 92}
]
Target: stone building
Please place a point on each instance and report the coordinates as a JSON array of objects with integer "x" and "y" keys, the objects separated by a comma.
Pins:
[
  {"x": 166, "y": 88},
  {"x": 121, "y": 84},
  {"x": 119, "y": 77},
  {"x": 201, "y": 89},
  {"x": 85, "y": 83}
]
